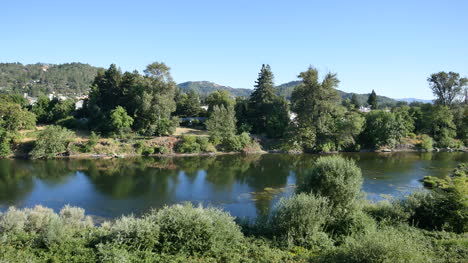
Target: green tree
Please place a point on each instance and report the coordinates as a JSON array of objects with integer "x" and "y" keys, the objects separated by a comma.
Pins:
[
  {"x": 277, "y": 121},
  {"x": 14, "y": 118},
  {"x": 261, "y": 99},
  {"x": 348, "y": 127},
  {"x": 42, "y": 108},
  {"x": 52, "y": 141},
  {"x": 440, "y": 125},
  {"x": 315, "y": 103},
  {"x": 188, "y": 105},
  {"x": 355, "y": 101},
  {"x": 222, "y": 123},
  {"x": 372, "y": 100},
  {"x": 104, "y": 96},
  {"x": 219, "y": 98},
  {"x": 446, "y": 87},
  {"x": 156, "y": 101},
  {"x": 382, "y": 129},
  {"x": 119, "y": 120},
  {"x": 61, "y": 109}
]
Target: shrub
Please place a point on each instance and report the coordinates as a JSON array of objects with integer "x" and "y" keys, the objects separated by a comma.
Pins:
[
  {"x": 301, "y": 221},
  {"x": 69, "y": 122},
  {"x": 75, "y": 217},
  {"x": 205, "y": 144},
  {"x": 426, "y": 142},
  {"x": 386, "y": 212},
  {"x": 440, "y": 209},
  {"x": 12, "y": 220},
  {"x": 236, "y": 143},
  {"x": 51, "y": 141},
  {"x": 195, "y": 230},
  {"x": 188, "y": 144},
  {"x": 138, "y": 233},
  {"x": 336, "y": 178},
  {"x": 385, "y": 245},
  {"x": 92, "y": 141},
  {"x": 5, "y": 142}
]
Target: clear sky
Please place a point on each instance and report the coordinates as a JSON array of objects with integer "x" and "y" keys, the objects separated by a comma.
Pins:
[{"x": 389, "y": 46}]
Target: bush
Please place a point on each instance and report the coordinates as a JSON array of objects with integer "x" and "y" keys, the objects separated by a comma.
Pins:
[
  {"x": 336, "y": 178},
  {"x": 195, "y": 230},
  {"x": 236, "y": 143},
  {"x": 301, "y": 221},
  {"x": 69, "y": 122},
  {"x": 137, "y": 233},
  {"x": 386, "y": 245},
  {"x": 52, "y": 141},
  {"x": 440, "y": 209},
  {"x": 92, "y": 141},
  {"x": 188, "y": 144},
  {"x": 205, "y": 144},
  {"x": 426, "y": 142}
]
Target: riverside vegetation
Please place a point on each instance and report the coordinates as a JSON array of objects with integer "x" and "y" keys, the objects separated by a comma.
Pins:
[
  {"x": 133, "y": 114},
  {"x": 326, "y": 220}
]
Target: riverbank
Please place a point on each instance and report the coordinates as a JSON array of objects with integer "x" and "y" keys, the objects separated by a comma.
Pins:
[{"x": 185, "y": 142}]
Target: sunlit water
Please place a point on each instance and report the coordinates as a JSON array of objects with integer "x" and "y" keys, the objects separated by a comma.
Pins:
[{"x": 245, "y": 186}]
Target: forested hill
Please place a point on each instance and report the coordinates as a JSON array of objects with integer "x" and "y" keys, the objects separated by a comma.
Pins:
[
  {"x": 76, "y": 78},
  {"x": 204, "y": 88},
  {"x": 40, "y": 78}
]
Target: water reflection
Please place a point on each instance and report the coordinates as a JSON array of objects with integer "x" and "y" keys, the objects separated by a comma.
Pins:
[{"x": 243, "y": 185}]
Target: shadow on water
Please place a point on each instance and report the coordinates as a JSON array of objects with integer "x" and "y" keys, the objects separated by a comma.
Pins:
[{"x": 246, "y": 186}]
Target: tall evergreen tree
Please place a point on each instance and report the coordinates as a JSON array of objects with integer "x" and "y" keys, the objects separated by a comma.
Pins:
[
  {"x": 222, "y": 123},
  {"x": 372, "y": 100},
  {"x": 268, "y": 112}
]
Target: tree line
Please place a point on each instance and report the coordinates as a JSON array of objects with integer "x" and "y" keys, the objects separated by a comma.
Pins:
[{"x": 315, "y": 119}]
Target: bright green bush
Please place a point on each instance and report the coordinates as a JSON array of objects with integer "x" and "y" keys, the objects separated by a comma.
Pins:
[
  {"x": 426, "y": 142},
  {"x": 301, "y": 221},
  {"x": 236, "y": 143},
  {"x": 195, "y": 230},
  {"x": 336, "y": 178},
  {"x": 385, "y": 245},
  {"x": 188, "y": 144},
  {"x": 51, "y": 141}
]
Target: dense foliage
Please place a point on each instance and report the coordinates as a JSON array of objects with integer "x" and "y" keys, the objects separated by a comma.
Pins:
[
  {"x": 52, "y": 141},
  {"x": 41, "y": 79}
]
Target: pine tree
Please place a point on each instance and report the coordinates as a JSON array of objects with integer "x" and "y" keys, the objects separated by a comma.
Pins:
[
  {"x": 372, "y": 101},
  {"x": 221, "y": 123},
  {"x": 268, "y": 113}
]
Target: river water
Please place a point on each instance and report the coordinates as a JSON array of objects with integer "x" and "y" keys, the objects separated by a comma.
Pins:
[{"x": 244, "y": 185}]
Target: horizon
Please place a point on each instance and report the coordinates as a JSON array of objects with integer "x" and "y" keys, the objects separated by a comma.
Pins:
[{"x": 389, "y": 47}]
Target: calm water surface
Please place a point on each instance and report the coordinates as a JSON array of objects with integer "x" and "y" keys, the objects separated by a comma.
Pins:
[{"x": 245, "y": 186}]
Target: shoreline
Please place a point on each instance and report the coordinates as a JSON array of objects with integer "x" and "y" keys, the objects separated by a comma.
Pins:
[{"x": 172, "y": 155}]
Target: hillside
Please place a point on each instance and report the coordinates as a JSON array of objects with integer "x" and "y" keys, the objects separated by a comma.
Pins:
[
  {"x": 40, "y": 78},
  {"x": 204, "y": 88}
]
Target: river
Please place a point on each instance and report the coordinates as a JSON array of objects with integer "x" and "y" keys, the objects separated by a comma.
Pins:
[{"x": 244, "y": 185}]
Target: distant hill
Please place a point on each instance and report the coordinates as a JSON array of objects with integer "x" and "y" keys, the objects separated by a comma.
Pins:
[
  {"x": 41, "y": 78},
  {"x": 409, "y": 100},
  {"x": 204, "y": 88}
]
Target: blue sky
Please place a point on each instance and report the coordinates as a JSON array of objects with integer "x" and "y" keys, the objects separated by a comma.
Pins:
[{"x": 389, "y": 46}]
